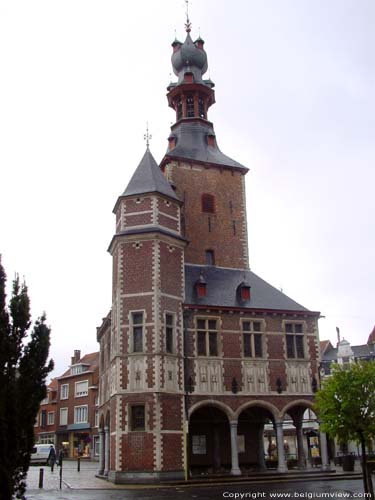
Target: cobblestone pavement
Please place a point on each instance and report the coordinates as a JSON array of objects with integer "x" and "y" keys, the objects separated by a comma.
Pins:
[
  {"x": 71, "y": 478},
  {"x": 287, "y": 489}
]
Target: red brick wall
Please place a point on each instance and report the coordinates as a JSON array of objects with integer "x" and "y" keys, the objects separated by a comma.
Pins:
[{"x": 227, "y": 188}]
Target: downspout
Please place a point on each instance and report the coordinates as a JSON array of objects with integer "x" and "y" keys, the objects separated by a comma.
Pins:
[{"x": 186, "y": 317}]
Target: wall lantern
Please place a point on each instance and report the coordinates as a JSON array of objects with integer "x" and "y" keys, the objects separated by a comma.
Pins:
[
  {"x": 190, "y": 385},
  {"x": 314, "y": 385},
  {"x": 279, "y": 385},
  {"x": 234, "y": 386}
]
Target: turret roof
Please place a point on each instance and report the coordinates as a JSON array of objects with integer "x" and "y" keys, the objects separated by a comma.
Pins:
[{"x": 148, "y": 178}]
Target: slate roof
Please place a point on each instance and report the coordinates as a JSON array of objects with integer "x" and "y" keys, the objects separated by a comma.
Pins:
[
  {"x": 359, "y": 351},
  {"x": 222, "y": 285},
  {"x": 91, "y": 359},
  {"x": 148, "y": 178},
  {"x": 191, "y": 144}
]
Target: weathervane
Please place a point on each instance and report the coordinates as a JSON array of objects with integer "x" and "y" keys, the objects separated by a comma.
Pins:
[
  {"x": 147, "y": 137},
  {"x": 188, "y": 23}
]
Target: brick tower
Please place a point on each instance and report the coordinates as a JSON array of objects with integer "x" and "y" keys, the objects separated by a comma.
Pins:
[
  {"x": 144, "y": 380},
  {"x": 202, "y": 361}
]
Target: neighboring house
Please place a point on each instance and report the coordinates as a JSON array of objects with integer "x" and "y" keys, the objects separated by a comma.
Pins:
[
  {"x": 202, "y": 362},
  {"x": 74, "y": 401},
  {"x": 344, "y": 353},
  {"x": 46, "y": 421}
]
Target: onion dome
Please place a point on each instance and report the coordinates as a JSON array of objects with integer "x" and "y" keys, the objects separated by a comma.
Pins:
[{"x": 190, "y": 57}]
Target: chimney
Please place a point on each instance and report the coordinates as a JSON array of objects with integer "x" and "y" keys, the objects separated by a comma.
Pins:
[
  {"x": 338, "y": 335},
  {"x": 77, "y": 355}
]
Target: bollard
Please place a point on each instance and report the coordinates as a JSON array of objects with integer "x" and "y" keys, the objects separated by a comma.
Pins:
[
  {"x": 41, "y": 475},
  {"x": 61, "y": 459},
  {"x": 78, "y": 464},
  {"x": 61, "y": 475}
]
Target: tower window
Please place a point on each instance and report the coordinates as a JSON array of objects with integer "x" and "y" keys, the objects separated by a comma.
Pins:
[
  {"x": 201, "y": 110},
  {"x": 137, "y": 327},
  {"x": 210, "y": 258},
  {"x": 179, "y": 108},
  {"x": 208, "y": 203},
  {"x": 169, "y": 324},
  {"x": 190, "y": 106}
]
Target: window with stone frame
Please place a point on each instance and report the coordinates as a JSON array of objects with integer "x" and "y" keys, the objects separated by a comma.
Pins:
[
  {"x": 169, "y": 332},
  {"x": 207, "y": 337},
  {"x": 138, "y": 417},
  {"x": 295, "y": 348},
  {"x": 137, "y": 331},
  {"x": 252, "y": 338}
]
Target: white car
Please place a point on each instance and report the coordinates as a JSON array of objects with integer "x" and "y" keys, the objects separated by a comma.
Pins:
[{"x": 40, "y": 454}]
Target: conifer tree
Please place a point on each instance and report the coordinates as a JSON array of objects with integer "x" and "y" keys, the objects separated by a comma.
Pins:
[{"x": 23, "y": 373}]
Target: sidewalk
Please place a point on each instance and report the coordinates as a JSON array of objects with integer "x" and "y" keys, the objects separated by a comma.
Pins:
[{"x": 86, "y": 480}]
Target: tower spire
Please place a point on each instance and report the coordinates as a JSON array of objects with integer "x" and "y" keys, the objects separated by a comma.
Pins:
[
  {"x": 147, "y": 136},
  {"x": 188, "y": 23}
]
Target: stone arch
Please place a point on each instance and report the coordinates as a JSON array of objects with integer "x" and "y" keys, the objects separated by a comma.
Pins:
[
  {"x": 263, "y": 404},
  {"x": 217, "y": 404},
  {"x": 293, "y": 404}
]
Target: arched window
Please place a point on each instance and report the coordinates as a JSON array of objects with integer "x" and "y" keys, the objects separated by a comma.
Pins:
[{"x": 208, "y": 203}]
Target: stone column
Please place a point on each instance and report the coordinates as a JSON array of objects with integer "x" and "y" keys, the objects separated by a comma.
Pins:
[
  {"x": 282, "y": 467},
  {"x": 101, "y": 452},
  {"x": 324, "y": 451},
  {"x": 235, "y": 471},
  {"x": 216, "y": 448},
  {"x": 300, "y": 449},
  {"x": 106, "y": 450},
  {"x": 261, "y": 461}
]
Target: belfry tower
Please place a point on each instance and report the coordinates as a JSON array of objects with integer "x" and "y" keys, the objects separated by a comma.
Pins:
[
  {"x": 210, "y": 184},
  {"x": 201, "y": 360}
]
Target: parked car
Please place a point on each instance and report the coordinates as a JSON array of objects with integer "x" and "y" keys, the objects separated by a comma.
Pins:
[{"x": 40, "y": 454}]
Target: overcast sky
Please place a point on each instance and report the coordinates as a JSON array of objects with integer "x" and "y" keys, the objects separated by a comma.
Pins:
[{"x": 294, "y": 103}]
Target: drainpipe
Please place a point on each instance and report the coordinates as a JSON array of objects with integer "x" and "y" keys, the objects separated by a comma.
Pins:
[{"x": 186, "y": 317}]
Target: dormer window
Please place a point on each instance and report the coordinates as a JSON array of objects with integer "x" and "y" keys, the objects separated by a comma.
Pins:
[
  {"x": 243, "y": 291},
  {"x": 201, "y": 287},
  {"x": 208, "y": 203},
  {"x": 211, "y": 139},
  {"x": 78, "y": 369}
]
